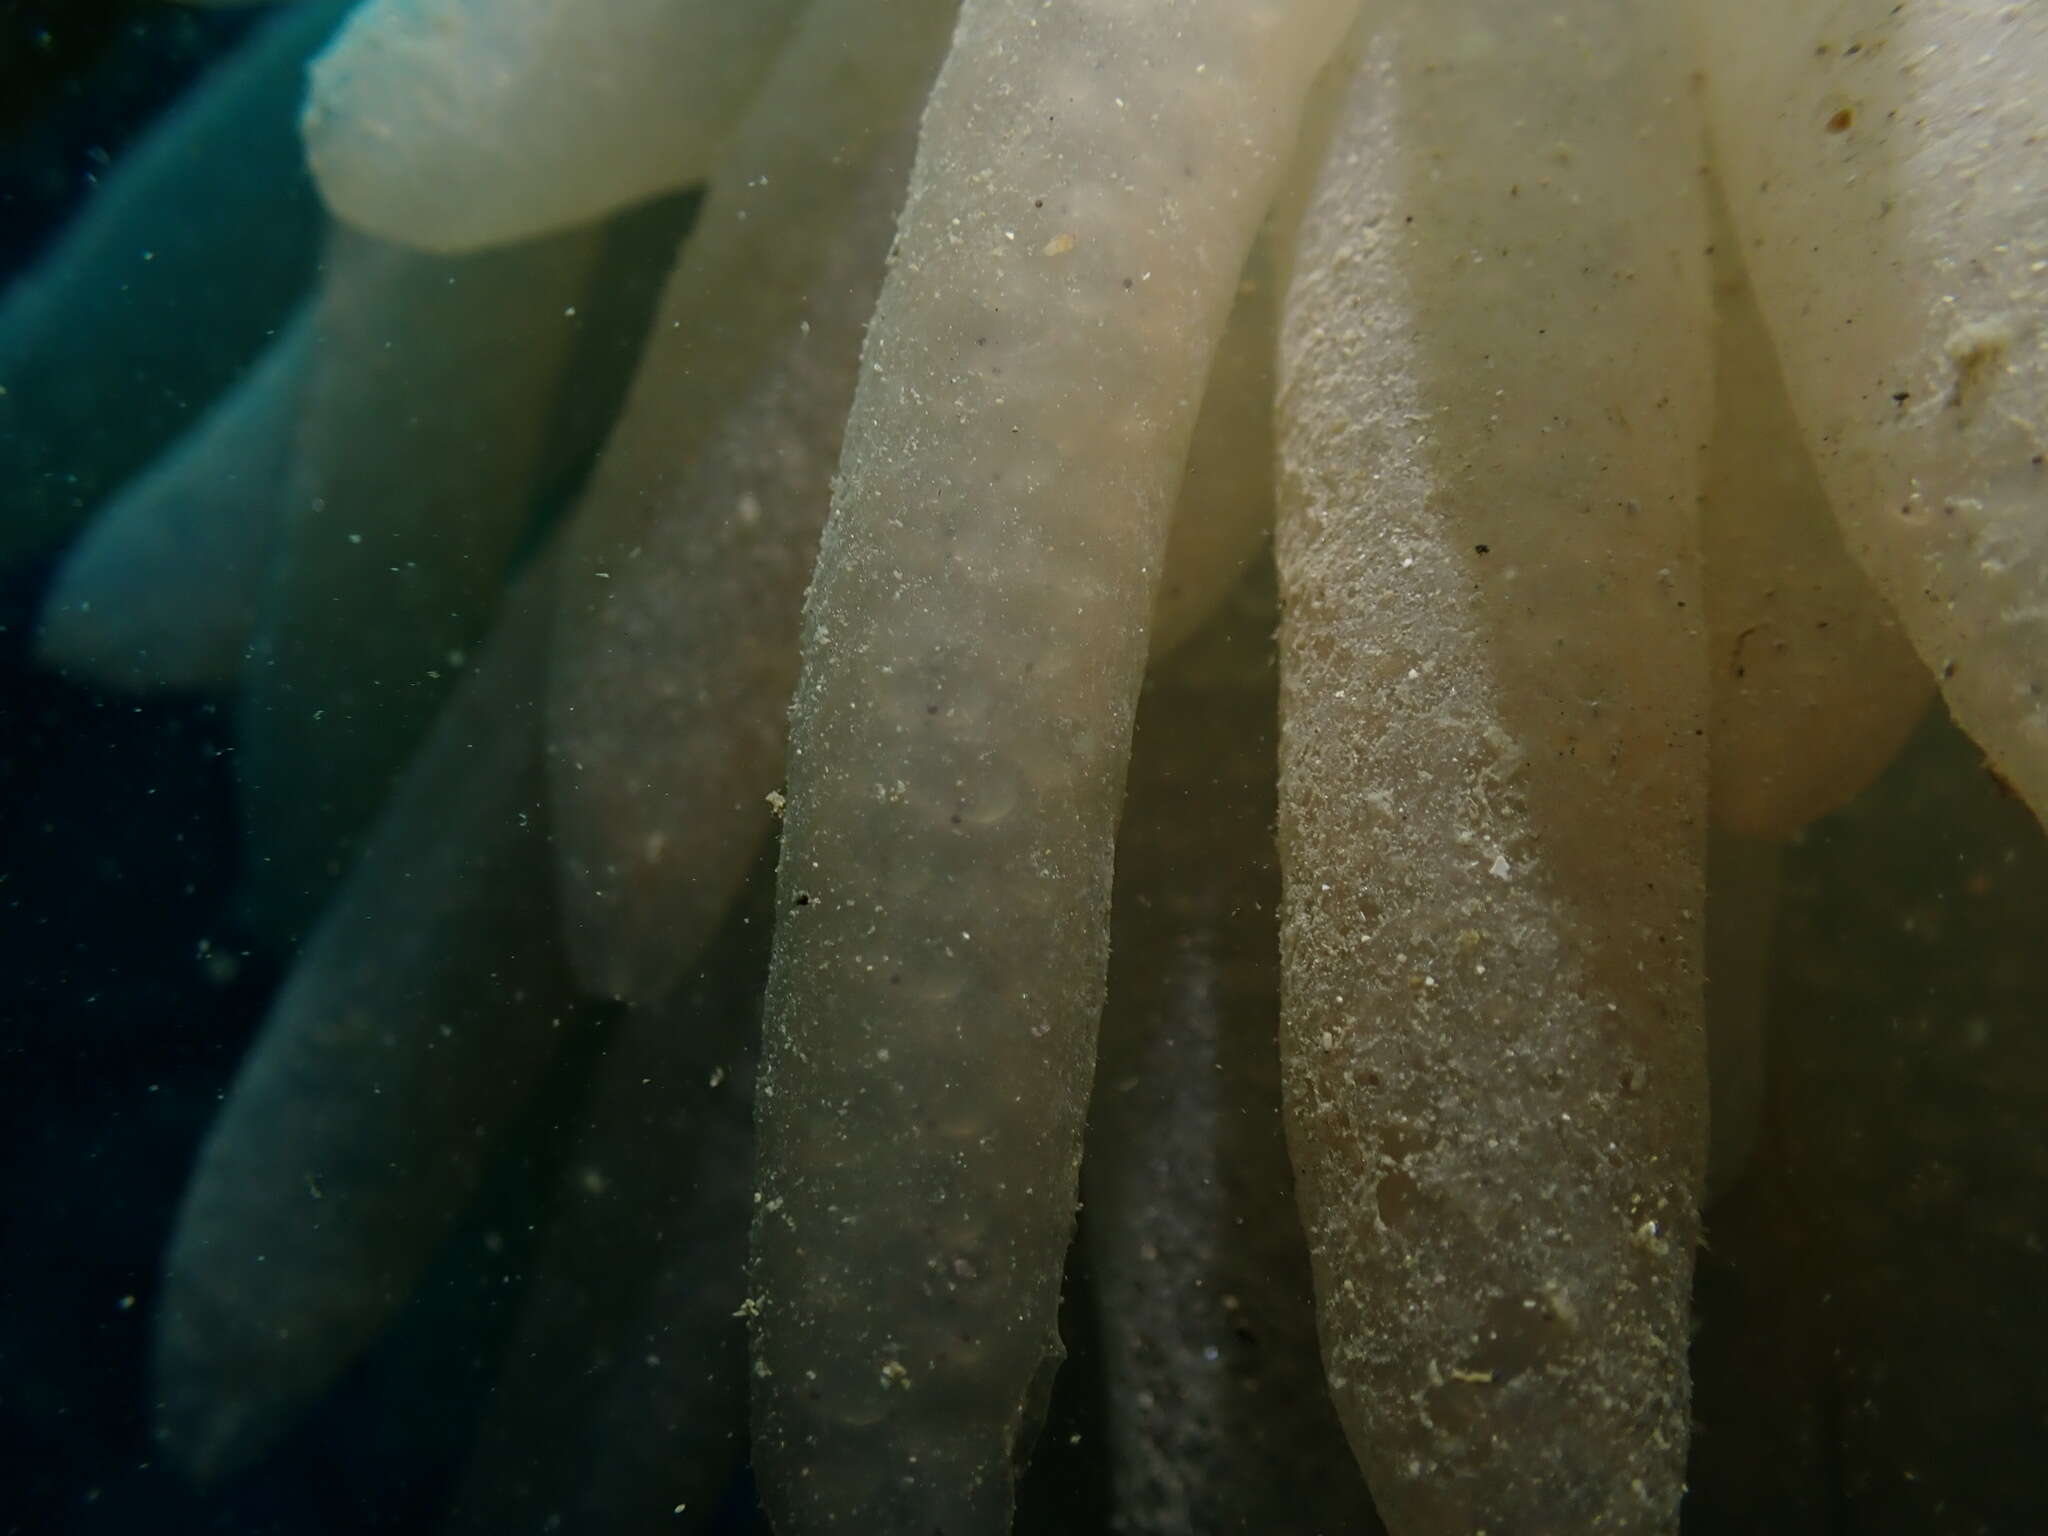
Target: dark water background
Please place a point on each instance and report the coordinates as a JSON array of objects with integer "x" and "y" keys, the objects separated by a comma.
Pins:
[
  {"x": 1873, "y": 1334},
  {"x": 125, "y": 1004}
]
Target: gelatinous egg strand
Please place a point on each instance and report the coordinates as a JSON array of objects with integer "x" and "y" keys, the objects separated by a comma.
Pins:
[{"x": 1522, "y": 353}]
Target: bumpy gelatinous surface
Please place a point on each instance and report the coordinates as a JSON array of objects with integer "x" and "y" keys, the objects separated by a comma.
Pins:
[
  {"x": 1088, "y": 181},
  {"x": 1906, "y": 1119},
  {"x": 1493, "y": 772}
]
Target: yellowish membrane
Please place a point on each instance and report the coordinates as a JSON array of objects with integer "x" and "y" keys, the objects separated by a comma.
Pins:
[
  {"x": 1884, "y": 171},
  {"x": 1814, "y": 684},
  {"x": 1225, "y": 510}
]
